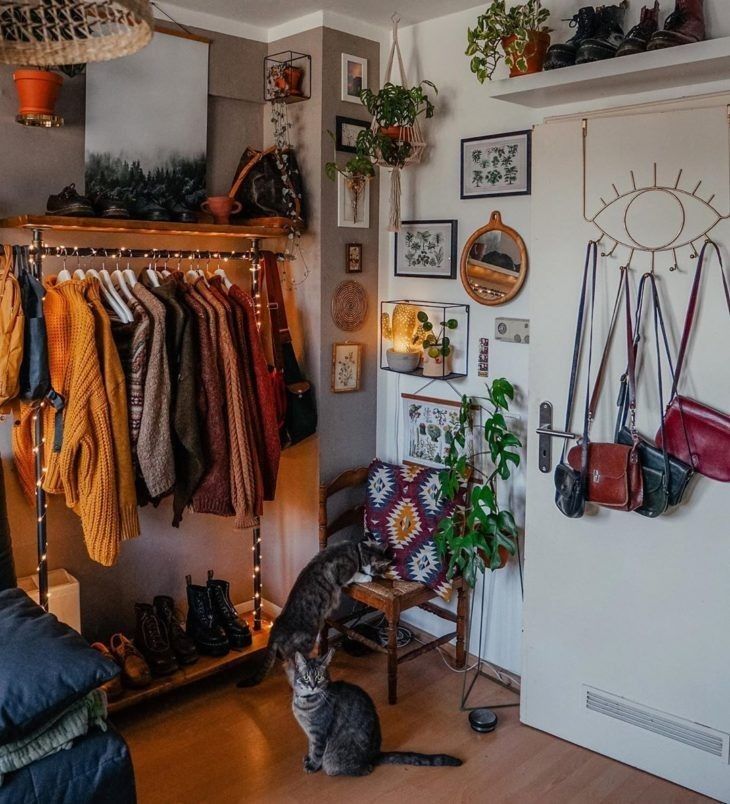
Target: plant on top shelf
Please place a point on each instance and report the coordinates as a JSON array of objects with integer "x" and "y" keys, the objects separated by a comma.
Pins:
[
  {"x": 518, "y": 33},
  {"x": 481, "y": 535}
]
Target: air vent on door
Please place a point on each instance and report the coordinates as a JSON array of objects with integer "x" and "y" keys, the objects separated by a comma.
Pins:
[{"x": 669, "y": 726}]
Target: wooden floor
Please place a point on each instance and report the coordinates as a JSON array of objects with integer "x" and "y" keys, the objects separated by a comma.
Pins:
[{"x": 215, "y": 744}]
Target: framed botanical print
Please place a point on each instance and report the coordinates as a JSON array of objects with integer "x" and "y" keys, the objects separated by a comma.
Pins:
[
  {"x": 496, "y": 165},
  {"x": 428, "y": 425},
  {"x": 354, "y": 77},
  {"x": 353, "y": 258},
  {"x": 353, "y": 204},
  {"x": 346, "y": 363},
  {"x": 426, "y": 249},
  {"x": 347, "y": 131}
]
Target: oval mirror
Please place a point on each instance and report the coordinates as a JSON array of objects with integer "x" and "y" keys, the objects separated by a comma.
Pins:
[{"x": 494, "y": 263}]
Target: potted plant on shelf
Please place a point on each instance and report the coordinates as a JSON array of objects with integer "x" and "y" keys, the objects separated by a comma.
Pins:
[
  {"x": 396, "y": 107},
  {"x": 356, "y": 172},
  {"x": 285, "y": 80},
  {"x": 437, "y": 347},
  {"x": 482, "y": 535},
  {"x": 518, "y": 33}
]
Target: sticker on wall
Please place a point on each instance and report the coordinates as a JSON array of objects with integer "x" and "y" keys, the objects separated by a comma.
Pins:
[
  {"x": 483, "y": 360},
  {"x": 512, "y": 330}
]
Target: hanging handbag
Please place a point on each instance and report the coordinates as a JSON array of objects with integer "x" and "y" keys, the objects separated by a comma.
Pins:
[
  {"x": 570, "y": 483},
  {"x": 12, "y": 326},
  {"x": 694, "y": 432},
  {"x": 34, "y": 372},
  {"x": 665, "y": 477},
  {"x": 300, "y": 418},
  {"x": 613, "y": 471}
]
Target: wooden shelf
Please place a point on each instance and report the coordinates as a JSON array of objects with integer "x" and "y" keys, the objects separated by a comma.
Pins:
[
  {"x": 655, "y": 70},
  {"x": 130, "y": 227},
  {"x": 205, "y": 666}
]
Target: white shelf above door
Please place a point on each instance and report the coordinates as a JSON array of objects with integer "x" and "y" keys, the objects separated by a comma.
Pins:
[{"x": 687, "y": 65}]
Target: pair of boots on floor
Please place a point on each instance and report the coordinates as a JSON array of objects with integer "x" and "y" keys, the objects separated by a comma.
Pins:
[{"x": 600, "y": 34}]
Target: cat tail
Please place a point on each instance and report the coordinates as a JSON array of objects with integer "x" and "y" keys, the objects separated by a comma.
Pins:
[
  {"x": 412, "y": 758},
  {"x": 262, "y": 671}
]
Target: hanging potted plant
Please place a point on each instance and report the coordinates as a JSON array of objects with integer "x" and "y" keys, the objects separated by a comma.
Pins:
[
  {"x": 518, "y": 34},
  {"x": 357, "y": 172},
  {"x": 482, "y": 535},
  {"x": 396, "y": 107}
]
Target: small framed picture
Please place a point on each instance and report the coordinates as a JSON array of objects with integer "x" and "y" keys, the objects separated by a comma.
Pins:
[
  {"x": 496, "y": 165},
  {"x": 353, "y": 258},
  {"x": 346, "y": 360},
  {"x": 354, "y": 77},
  {"x": 353, "y": 204},
  {"x": 428, "y": 425},
  {"x": 426, "y": 249},
  {"x": 347, "y": 131}
]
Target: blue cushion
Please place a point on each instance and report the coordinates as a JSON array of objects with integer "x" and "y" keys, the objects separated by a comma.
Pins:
[{"x": 44, "y": 666}]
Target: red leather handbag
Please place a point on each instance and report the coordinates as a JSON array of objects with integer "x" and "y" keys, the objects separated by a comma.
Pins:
[
  {"x": 696, "y": 433},
  {"x": 613, "y": 472}
]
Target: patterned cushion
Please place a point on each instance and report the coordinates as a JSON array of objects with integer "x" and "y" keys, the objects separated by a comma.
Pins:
[{"x": 402, "y": 510}]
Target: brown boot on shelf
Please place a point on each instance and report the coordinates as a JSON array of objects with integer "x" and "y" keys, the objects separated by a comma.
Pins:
[
  {"x": 136, "y": 672},
  {"x": 113, "y": 689},
  {"x": 684, "y": 26}
]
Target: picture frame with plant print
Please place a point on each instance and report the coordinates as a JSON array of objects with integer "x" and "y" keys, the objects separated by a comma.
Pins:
[
  {"x": 427, "y": 425},
  {"x": 496, "y": 165},
  {"x": 346, "y": 367},
  {"x": 427, "y": 249},
  {"x": 353, "y": 258}
]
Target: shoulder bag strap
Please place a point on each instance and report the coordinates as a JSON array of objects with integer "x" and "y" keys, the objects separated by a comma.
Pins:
[
  {"x": 623, "y": 394},
  {"x": 280, "y": 334},
  {"x": 692, "y": 308}
]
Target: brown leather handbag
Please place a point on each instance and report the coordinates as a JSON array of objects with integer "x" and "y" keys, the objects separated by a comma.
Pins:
[
  {"x": 613, "y": 471},
  {"x": 696, "y": 433}
]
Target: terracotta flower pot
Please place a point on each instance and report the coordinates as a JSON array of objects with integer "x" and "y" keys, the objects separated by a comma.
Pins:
[
  {"x": 37, "y": 91},
  {"x": 221, "y": 207},
  {"x": 537, "y": 45},
  {"x": 503, "y": 556},
  {"x": 394, "y": 132},
  {"x": 290, "y": 81}
]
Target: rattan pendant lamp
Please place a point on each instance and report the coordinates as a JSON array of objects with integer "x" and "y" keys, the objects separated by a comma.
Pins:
[{"x": 50, "y": 33}]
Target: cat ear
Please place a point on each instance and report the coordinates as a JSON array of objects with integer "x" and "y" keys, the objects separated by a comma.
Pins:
[
  {"x": 327, "y": 658},
  {"x": 300, "y": 662}
]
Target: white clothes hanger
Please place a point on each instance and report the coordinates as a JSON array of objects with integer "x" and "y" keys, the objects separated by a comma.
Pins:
[
  {"x": 226, "y": 281},
  {"x": 109, "y": 300},
  {"x": 120, "y": 283},
  {"x": 152, "y": 274},
  {"x": 107, "y": 283},
  {"x": 64, "y": 274}
]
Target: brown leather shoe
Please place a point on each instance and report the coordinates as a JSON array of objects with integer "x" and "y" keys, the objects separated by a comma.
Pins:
[
  {"x": 113, "y": 689},
  {"x": 684, "y": 26},
  {"x": 135, "y": 670}
]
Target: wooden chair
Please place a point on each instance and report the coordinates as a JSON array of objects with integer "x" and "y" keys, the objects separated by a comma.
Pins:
[{"x": 390, "y": 597}]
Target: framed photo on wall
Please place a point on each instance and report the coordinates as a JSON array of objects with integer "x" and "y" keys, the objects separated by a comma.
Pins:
[
  {"x": 426, "y": 249},
  {"x": 347, "y": 131},
  {"x": 496, "y": 165},
  {"x": 427, "y": 427},
  {"x": 353, "y": 258},
  {"x": 346, "y": 365},
  {"x": 354, "y": 77}
]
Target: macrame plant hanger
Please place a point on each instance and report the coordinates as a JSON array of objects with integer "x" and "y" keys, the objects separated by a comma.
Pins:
[{"x": 409, "y": 134}]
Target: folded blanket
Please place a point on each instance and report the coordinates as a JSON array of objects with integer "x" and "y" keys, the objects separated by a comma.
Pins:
[{"x": 56, "y": 735}]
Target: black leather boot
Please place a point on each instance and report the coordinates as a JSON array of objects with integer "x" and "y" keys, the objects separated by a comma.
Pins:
[
  {"x": 150, "y": 639},
  {"x": 684, "y": 26},
  {"x": 237, "y": 630},
  {"x": 182, "y": 645},
  {"x": 608, "y": 37},
  {"x": 202, "y": 624},
  {"x": 562, "y": 54},
  {"x": 638, "y": 37}
]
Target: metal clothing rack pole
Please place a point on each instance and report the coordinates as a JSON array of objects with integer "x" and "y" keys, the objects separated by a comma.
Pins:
[{"x": 256, "y": 547}]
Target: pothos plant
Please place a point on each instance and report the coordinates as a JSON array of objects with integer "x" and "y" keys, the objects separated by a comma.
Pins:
[
  {"x": 475, "y": 537},
  {"x": 485, "y": 42}
]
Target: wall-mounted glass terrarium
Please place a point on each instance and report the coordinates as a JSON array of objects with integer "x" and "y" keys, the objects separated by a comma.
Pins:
[
  {"x": 427, "y": 339},
  {"x": 288, "y": 77}
]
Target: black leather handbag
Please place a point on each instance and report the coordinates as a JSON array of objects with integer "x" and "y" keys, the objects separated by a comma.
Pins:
[
  {"x": 666, "y": 477},
  {"x": 570, "y": 483},
  {"x": 34, "y": 372}
]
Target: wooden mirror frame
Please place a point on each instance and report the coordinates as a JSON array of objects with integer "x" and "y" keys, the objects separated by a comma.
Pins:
[{"x": 495, "y": 224}]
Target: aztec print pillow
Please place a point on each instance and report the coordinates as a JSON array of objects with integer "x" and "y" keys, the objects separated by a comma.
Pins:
[{"x": 402, "y": 511}]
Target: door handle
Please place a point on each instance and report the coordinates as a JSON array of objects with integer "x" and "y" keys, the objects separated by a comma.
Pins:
[{"x": 546, "y": 433}]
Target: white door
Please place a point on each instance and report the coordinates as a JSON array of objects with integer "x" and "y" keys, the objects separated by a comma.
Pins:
[{"x": 627, "y": 635}]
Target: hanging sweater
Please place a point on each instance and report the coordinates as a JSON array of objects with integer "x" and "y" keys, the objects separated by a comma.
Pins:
[
  {"x": 213, "y": 494},
  {"x": 116, "y": 393},
  {"x": 154, "y": 446},
  {"x": 86, "y": 461},
  {"x": 268, "y": 434},
  {"x": 243, "y": 471}
]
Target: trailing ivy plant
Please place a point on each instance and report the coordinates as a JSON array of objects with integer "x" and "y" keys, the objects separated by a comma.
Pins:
[
  {"x": 475, "y": 537},
  {"x": 396, "y": 105},
  {"x": 485, "y": 41}
]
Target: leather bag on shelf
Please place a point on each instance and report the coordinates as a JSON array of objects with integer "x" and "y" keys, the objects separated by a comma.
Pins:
[
  {"x": 12, "y": 326},
  {"x": 300, "y": 410},
  {"x": 34, "y": 372},
  {"x": 666, "y": 477},
  {"x": 696, "y": 433},
  {"x": 613, "y": 471}
]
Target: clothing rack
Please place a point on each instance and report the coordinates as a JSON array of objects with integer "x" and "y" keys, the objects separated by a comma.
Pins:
[{"x": 37, "y": 252}]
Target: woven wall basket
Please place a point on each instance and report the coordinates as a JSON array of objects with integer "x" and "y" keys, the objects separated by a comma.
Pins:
[
  {"x": 349, "y": 305},
  {"x": 47, "y": 33}
]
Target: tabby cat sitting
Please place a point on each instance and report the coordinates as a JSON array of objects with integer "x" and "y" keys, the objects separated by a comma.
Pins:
[
  {"x": 315, "y": 595},
  {"x": 342, "y": 724}
]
